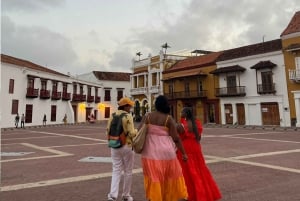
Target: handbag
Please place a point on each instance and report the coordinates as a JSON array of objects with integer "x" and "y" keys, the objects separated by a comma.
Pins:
[{"x": 139, "y": 140}]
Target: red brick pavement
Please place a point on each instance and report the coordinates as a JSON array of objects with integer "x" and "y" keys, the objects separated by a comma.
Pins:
[{"x": 248, "y": 164}]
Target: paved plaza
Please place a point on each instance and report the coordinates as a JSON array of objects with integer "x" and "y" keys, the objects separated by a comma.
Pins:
[{"x": 72, "y": 163}]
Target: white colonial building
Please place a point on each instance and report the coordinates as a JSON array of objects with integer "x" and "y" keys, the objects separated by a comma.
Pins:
[
  {"x": 35, "y": 91},
  {"x": 253, "y": 86},
  {"x": 114, "y": 86}
]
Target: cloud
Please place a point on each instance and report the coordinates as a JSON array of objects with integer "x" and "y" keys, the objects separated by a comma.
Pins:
[
  {"x": 29, "y": 5},
  {"x": 37, "y": 44},
  {"x": 218, "y": 25}
]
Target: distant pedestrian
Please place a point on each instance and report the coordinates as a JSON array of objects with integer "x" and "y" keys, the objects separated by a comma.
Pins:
[
  {"x": 65, "y": 119},
  {"x": 44, "y": 120},
  {"x": 22, "y": 121},
  {"x": 17, "y": 119}
]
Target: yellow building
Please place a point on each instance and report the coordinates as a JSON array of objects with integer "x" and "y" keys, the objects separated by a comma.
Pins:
[
  {"x": 291, "y": 49},
  {"x": 188, "y": 83},
  {"x": 146, "y": 80}
]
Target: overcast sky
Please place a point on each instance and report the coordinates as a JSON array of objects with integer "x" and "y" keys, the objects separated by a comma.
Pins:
[{"x": 79, "y": 36}]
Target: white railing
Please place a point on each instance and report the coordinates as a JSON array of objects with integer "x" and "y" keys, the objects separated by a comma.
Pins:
[
  {"x": 294, "y": 75},
  {"x": 140, "y": 90},
  {"x": 154, "y": 89}
]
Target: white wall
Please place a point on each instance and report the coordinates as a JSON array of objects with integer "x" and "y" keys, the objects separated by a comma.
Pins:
[{"x": 252, "y": 99}]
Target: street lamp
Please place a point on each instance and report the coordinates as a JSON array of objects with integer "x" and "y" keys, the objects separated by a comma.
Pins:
[
  {"x": 165, "y": 46},
  {"x": 139, "y": 54}
]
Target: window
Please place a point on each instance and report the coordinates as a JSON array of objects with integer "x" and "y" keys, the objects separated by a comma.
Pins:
[
  {"x": 187, "y": 88},
  {"x": 15, "y": 106},
  {"x": 267, "y": 81},
  {"x": 65, "y": 88},
  {"x": 81, "y": 89},
  {"x": 120, "y": 94},
  {"x": 96, "y": 92},
  {"x": 54, "y": 86},
  {"x": 30, "y": 83},
  {"x": 44, "y": 84},
  {"x": 74, "y": 88},
  {"x": 107, "y": 95},
  {"x": 11, "y": 86},
  {"x": 89, "y": 91},
  {"x": 53, "y": 112}
]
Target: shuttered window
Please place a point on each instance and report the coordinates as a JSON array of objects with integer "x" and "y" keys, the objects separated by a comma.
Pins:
[{"x": 11, "y": 86}]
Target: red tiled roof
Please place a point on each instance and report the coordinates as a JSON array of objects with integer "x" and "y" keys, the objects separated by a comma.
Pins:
[
  {"x": 187, "y": 73},
  {"x": 264, "y": 64},
  {"x": 112, "y": 76},
  {"x": 250, "y": 50},
  {"x": 228, "y": 69},
  {"x": 27, "y": 64},
  {"x": 293, "y": 26},
  {"x": 194, "y": 62}
]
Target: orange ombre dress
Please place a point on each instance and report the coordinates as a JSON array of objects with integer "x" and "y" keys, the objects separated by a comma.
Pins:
[{"x": 163, "y": 178}]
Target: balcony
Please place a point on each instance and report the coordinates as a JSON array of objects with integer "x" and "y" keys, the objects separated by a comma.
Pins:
[
  {"x": 56, "y": 95},
  {"x": 44, "y": 94},
  {"x": 79, "y": 97},
  {"x": 187, "y": 94},
  {"x": 137, "y": 91},
  {"x": 266, "y": 88},
  {"x": 294, "y": 75},
  {"x": 230, "y": 91},
  {"x": 66, "y": 96},
  {"x": 97, "y": 99},
  {"x": 154, "y": 89},
  {"x": 32, "y": 93},
  {"x": 90, "y": 99}
]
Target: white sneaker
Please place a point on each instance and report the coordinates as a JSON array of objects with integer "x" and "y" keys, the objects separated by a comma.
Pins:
[
  {"x": 127, "y": 198},
  {"x": 111, "y": 199}
]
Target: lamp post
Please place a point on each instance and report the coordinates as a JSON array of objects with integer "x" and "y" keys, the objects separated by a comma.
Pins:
[
  {"x": 165, "y": 46},
  {"x": 139, "y": 54}
]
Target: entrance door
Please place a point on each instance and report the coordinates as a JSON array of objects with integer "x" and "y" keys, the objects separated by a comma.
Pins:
[
  {"x": 270, "y": 114},
  {"x": 28, "y": 113},
  {"x": 75, "y": 112},
  {"x": 240, "y": 113},
  {"x": 88, "y": 113},
  {"x": 228, "y": 114}
]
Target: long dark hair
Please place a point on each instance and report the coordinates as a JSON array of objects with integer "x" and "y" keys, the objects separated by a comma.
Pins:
[{"x": 189, "y": 116}]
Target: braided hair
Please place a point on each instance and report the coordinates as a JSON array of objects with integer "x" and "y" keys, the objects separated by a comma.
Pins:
[{"x": 189, "y": 116}]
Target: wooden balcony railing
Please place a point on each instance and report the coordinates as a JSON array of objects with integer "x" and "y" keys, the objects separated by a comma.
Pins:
[
  {"x": 79, "y": 97},
  {"x": 56, "y": 95},
  {"x": 90, "y": 99},
  {"x": 66, "y": 96},
  {"x": 266, "y": 88},
  {"x": 230, "y": 91},
  {"x": 97, "y": 99},
  {"x": 187, "y": 94},
  {"x": 32, "y": 93},
  {"x": 107, "y": 98},
  {"x": 44, "y": 94}
]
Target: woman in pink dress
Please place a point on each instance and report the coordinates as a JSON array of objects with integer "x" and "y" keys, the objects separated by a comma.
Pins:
[
  {"x": 199, "y": 181},
  {"x": 163, "y": 178}
]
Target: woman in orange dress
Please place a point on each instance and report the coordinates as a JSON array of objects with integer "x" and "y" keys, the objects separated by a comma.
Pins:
[
  {"x": 199, "y": 181},
  {"x": 163, "y": 178}
]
